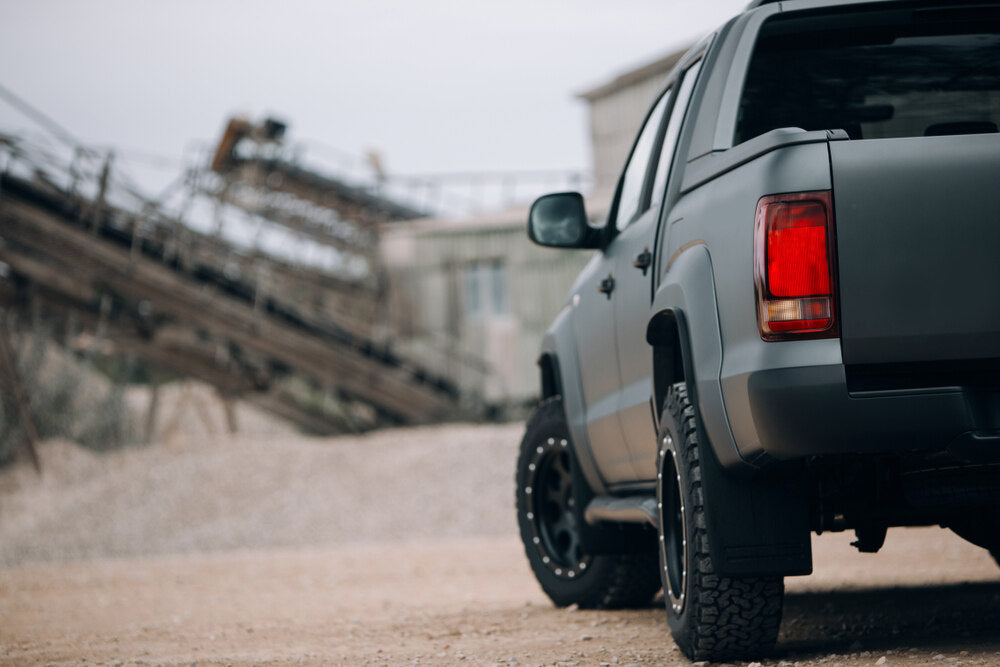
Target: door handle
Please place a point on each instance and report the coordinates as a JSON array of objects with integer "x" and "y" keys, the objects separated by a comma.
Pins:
[
  {"x": 607, "y": 286},
  {"x": 644, "y": 260}
]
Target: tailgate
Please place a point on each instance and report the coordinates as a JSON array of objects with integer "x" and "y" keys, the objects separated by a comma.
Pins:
[{"x": 918, "y": 247}]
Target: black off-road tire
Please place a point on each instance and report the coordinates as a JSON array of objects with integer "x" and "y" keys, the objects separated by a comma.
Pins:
[
  {"x": 550, "y": 530},
  {"x": 711, "y": 617}
]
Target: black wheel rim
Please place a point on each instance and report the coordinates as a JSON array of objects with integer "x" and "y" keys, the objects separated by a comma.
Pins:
[
  {"x": 673, "y": 540},
  {"x": 551, "y": 509}
]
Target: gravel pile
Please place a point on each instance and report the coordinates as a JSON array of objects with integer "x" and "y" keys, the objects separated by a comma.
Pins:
[{"x": 201, "y": 490}]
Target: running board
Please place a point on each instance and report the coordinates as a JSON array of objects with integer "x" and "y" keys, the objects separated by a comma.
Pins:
[{"x": 627, "y": 509}]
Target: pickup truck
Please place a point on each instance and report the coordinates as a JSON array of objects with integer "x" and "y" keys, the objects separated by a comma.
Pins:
[{"x": 790, "y": 324}]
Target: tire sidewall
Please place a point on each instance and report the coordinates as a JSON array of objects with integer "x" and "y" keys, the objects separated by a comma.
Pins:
[
  {"x": 680, "y": 606},
  {"x": 721, "y": 617},
  {"x": 587, "y": 587}
]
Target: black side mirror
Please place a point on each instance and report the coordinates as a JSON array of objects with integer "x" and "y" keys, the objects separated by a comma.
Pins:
[{"x": 560, "y": 221}]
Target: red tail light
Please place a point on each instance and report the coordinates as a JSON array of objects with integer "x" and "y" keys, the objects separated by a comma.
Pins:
[{"x": 793, "y": 266}]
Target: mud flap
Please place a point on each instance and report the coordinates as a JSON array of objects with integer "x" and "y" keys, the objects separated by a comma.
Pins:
[{"x": 756, "y": 526}]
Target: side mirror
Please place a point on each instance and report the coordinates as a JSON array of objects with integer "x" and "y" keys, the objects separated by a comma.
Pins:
[{"x": 560, "y": 221}]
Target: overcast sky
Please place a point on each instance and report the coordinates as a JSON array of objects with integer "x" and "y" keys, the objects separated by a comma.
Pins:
[{"x": 435, "y": 86}]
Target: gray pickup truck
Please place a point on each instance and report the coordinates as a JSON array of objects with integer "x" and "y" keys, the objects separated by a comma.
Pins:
[{"x": 791, "y": 323}]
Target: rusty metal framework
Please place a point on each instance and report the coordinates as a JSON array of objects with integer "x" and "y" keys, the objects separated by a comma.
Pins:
[{"x": 185, "y": 289}]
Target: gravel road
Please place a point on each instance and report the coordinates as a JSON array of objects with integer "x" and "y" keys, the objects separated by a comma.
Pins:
[{"x": 396, "y": 548}]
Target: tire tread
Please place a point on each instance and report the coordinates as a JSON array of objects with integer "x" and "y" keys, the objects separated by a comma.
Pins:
[
  {"x": 733, "y": 617},
  {"x": 614, "y": 581}
]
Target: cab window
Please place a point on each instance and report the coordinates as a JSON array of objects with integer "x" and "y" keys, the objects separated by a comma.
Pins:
[
  {"x": 876, "y": 75},
  {"x": 630, "y": 196},
  {"x": 669, "y": 143}
]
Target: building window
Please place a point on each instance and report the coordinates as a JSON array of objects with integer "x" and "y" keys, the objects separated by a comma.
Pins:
[
  {"x": 486, "y": 289},
  {"x": 473, "y": 281}
]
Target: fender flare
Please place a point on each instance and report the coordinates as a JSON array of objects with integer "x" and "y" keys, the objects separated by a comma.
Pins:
[
  {"x": 757, "y": 526},
  {"x": 560, "y": 373},
  {"x": 684, "y": 327}
]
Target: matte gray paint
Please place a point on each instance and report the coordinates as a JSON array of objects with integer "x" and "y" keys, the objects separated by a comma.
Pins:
[
  {"x": 634, "y": 355},
  {"x": 594, "y": 327},
  {"x": 690, "y": 288},
  {"x": 713, "y": 165},
  {"x": 559, "y": 341},
  {"x": 732, "y": 200},
  {"x": 918, "y": 246},
  {"x": 720, "y": 190},
  {"x": 731, "y": 86},
  {"x": 701, "y": 127},
  {"x": 806, "y": 410}
]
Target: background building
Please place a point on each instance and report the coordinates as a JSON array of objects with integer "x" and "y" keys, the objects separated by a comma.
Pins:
[{"x": 472, "y": 299}]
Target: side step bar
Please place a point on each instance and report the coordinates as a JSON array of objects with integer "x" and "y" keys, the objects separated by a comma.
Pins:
[{"x": 627, "y": 509}]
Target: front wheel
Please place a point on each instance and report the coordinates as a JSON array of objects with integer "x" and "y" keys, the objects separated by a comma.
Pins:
[
  {"x": 711, "y": 617},
  {"x": 549, "y": 522}
]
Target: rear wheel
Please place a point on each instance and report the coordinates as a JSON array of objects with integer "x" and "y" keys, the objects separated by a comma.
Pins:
[
  {"x": 550, "y": 526},
  {"x": 711, "y": 617}
]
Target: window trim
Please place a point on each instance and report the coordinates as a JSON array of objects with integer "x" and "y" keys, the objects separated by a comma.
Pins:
[
  {"x": 670, "y": 88},
  {"x": 667, "y": 94},
  {"x": 698, "y": 61}
]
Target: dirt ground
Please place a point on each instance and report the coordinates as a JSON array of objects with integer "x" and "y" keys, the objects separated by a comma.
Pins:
[{"x": 397, "y": 548}]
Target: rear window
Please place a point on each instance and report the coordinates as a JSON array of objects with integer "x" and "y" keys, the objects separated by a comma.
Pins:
[{"x": 907, "y": 72}]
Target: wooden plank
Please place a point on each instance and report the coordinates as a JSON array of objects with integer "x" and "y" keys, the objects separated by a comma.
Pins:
[
  {"x": 362, "y": 208},
  {"x": 45, "y": 274},
  {"x": 394, "y": 389},
  {"x": 255, "y": 200},
  {"x": 345, "y": 298}
]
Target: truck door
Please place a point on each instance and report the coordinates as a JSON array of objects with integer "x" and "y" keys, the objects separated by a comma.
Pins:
[
  {"x": 595, "y": 299},
  {"x": 634, "y": 274}
]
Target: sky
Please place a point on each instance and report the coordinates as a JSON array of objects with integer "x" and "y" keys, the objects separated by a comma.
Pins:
[{"x": 439, "y": 86}]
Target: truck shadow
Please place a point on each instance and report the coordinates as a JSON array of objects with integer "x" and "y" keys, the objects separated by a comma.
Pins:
[{"x": 891, "y": 618}]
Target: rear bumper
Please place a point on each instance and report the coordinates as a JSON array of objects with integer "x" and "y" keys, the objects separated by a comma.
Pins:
[{"x": 809, "y": 411}]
